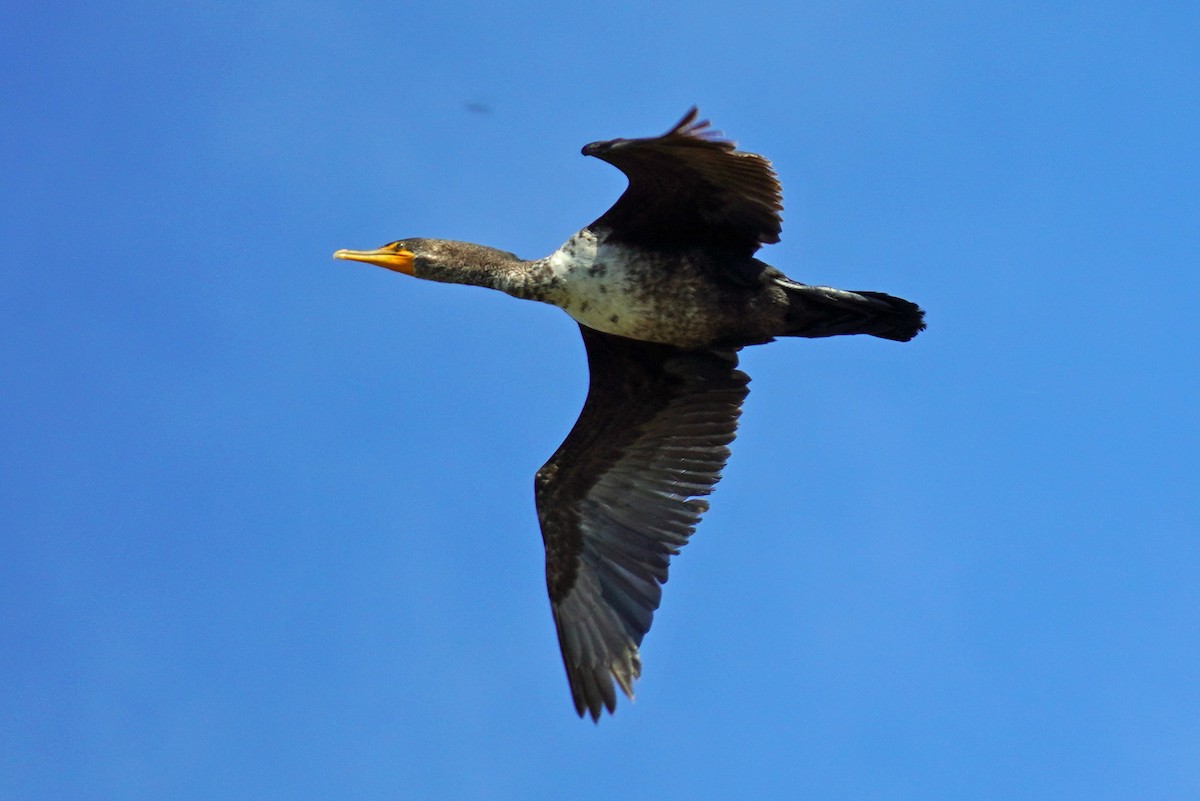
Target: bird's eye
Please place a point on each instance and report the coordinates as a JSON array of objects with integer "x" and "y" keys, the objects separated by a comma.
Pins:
[{"x": 398, "y": 246}]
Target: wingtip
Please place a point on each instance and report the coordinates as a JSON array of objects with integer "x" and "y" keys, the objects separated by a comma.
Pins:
[
  {"x": 689, "y": 124},
  {"x": 593, "y": 693},
  {"x": 689, "y": 117}
]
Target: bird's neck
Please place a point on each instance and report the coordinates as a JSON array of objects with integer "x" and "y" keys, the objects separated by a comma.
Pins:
[{"x": 477, "y": 265}]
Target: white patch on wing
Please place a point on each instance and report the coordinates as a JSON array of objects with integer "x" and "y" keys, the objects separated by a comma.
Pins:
[{"x": 597, "y": 286}]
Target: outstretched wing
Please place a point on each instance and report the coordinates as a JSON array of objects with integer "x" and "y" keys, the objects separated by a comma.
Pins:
[
  {"x": 691, "y": 188},
  {"x": 619, "y": 498}
]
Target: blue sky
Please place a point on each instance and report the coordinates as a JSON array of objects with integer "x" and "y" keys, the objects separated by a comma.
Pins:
[{"x": 266, "y": 519}]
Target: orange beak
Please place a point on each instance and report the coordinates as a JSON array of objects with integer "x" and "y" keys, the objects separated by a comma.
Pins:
[{"x": 400, "y": 260}]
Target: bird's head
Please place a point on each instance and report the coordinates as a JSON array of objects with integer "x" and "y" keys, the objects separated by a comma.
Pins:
[{"x": 441, "y": 260}]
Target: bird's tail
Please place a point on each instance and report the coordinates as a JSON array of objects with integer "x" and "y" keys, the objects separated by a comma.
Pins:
[{"x": 822, "y": 311}]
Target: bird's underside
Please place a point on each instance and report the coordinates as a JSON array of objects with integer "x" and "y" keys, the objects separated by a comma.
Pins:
[{"x": 666, "y": 289}]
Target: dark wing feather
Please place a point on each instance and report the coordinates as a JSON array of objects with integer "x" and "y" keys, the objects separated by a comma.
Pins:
[
  {"x": 618, "y": 498},
  {"x": 691, "y": 188}
]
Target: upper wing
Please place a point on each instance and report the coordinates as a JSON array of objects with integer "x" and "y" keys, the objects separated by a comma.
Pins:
[
  {"x": 691, "y": 188},
  {"x": 618, "y": 498}
]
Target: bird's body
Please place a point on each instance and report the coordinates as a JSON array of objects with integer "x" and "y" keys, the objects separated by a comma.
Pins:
[
  {"x": 669, "y": 298},
  {"x": 655, "y": 296},
  {"x": 665, "y": 288}
]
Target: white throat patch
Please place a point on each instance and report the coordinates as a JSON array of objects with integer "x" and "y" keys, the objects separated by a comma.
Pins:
[{"x": 597, "y": 286}]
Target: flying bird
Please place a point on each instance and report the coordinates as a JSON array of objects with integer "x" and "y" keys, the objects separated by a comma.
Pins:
[{"x": 666, "y": 290}]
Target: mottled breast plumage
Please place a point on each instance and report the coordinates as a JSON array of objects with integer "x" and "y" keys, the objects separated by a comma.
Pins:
[{"x": 635, "y": 293}]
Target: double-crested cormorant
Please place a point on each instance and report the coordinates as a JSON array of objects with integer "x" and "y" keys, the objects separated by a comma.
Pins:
[{"x": 666, "y": 290}]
